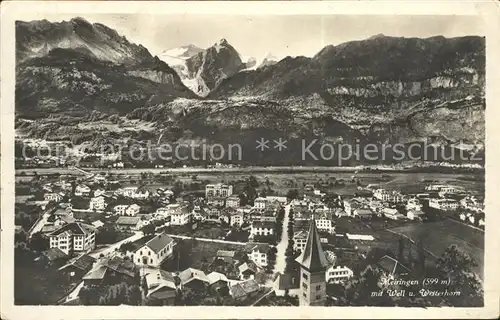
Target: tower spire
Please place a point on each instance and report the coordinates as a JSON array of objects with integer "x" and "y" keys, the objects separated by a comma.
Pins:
[
  {"x": 313, "y": 257},
  {"x": 313, "y": 265}
]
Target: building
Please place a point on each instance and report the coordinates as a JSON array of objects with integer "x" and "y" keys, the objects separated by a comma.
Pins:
[
  {"x": 414, "y": 204},
  {"x": 444, "y": 189},
  {"x": 414, "y": 214},
  {"x": 216, "y": 201},
  {"x": 262, "y": 228},
  {"x": 154, "y": 251},
  {"x": 128, "y": 223},
  {"x": 120, "y": 209},
  {"x": 193, "y": 278},
  {"x": 299, "y": 240},
  {"x": 247, "y": 270},
  {"x": 284, "y": 283},
  {"x": 313, "y": 265},
  {"x": 338, "y": 274},
  {"x": 135, "y": 193},
  {"x": 73, "y": 238},
  {"x": 132, "y": 210},
  {"x": 237, "y": 219},
  {"x": 260, "y": 203},
  {"x": 282, "y": 200},
  {"x": 472, "y": 203},
  {"x": 363, "y": 213},
  {"x": 82, "y": 190},
  {"x": 218, "y": 282},
  {"x": 241, "y": 291},
  {"x": 351, "y": 205},
  {"x": 127, "y": 210},
  {"x": 258, "y": 253},
  {"x": 218, "y": 190},
  {"x": 97, "y": 203},
  {"x": 180, "y": 216},
  {"x": 160, "y": 287},
  {"x": 391, "y": 213},
  {"x": 388, "y": 196},
  {"x": 52, "y": 196},
  {"x": 233, "y": 201},
  {"x": 443, "y": 204},
  {"x": 324, "y": 222}
]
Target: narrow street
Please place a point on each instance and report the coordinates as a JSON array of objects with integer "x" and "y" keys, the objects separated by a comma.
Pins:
[
  {"x": 110, "y": 250},
  {"x": 282, "y": 245}
]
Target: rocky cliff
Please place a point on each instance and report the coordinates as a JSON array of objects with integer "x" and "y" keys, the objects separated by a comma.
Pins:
[
  {"x": 74, "y": 66},
  {"x": 383, "y": 90},
  {"x": 213, "y": 65}
]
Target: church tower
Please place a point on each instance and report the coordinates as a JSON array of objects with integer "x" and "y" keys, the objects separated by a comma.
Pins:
[{"x": 313, "y": 265}]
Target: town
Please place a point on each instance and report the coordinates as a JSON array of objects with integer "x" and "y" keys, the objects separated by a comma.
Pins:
[{"x": 108, "y": 238}]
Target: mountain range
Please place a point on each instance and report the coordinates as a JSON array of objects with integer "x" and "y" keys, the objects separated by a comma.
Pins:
[{"x": 379, "y": 90}]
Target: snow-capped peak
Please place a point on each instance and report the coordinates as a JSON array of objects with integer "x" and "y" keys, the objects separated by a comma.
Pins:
[
  {"x": 253, "y": 63},
  {"x": 182, "y": 52}
]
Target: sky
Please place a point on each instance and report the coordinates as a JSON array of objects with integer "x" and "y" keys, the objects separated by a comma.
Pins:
[{"x": 280, "y": 35}]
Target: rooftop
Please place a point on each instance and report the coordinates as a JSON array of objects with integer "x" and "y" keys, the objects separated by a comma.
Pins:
[
  {"x": 75, "y": 228},
  {"x": 313, "y": 257},
  {"x": 159, "y": 242},
  {"x": 191, "y": 274},
  {"x": 128, "y": 220},
  {"x": 263, "y": 224},
  {"x": 261, "y": 247},
  {"x": 225, "y": 253}
]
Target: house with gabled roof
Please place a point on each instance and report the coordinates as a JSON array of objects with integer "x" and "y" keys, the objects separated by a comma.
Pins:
[
  {"x": 154, "y": 251},
  {"x": 247, "y": 270},
  {"x": 128, "y": 223},
  {"x": 161, "y": 287},
  {"x": 193, "y": 278},
  {"x": 79, "y": 266},
  {"x": 244, "y": 289},
  {"x": 258, "y": 253}
]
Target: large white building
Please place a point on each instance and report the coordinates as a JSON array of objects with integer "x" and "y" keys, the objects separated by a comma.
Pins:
[
  {"x": 443, "y": 204},
  {"x": 388, "y": 196},
  {"x": 260, "y": 203},
  {"x": 52, "y": 196},
  {"x": 218, "y": 190},
  {"x": 97, "y": 203},
  {"x": 135, "y": 193},
  {"x": 262, "y": 228},
  {"x": 338, "y": 274},
  {"x": 82, "y": 190},
  {"x": 233, "y": 201},
  {"x": 414, "y": 204},
  {"x": 73, "y": 238},
  {"x": 127, "y": 210},
  {"x": 299, "y": 240},
  {"x": 180, "y": 216},
  {"x": 154, "y": 251},
  {"x": 258, "y": 253}
]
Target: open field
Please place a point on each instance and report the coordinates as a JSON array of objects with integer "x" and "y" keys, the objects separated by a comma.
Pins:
[
  {"x": 281, "y": 180},
  {"x": 441, "y": 234}
]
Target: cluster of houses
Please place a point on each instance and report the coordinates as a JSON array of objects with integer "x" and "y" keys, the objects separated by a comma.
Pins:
[{"x": 396, "y": 206}]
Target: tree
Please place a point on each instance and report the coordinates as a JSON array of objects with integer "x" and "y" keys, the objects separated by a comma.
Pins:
[
  {"x": 401, "y": 250},
  {"x": 457, "y": 267},
  {"x": 38, "y": 242},
  {"x": 292, "y": 194},
  {"x": 148, "y": 229},
  {"x": 421, "y": 255}
]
